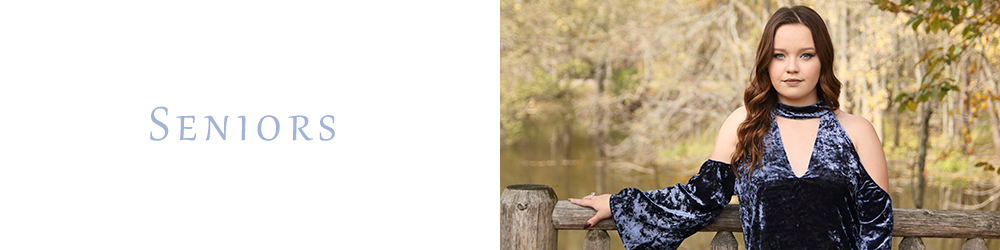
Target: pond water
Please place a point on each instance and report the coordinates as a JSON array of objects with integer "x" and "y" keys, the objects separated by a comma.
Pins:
[{"x": 571, "y": 169}]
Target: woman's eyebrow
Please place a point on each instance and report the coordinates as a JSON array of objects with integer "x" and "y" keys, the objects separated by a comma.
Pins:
[{"x": 803, "y": 49}]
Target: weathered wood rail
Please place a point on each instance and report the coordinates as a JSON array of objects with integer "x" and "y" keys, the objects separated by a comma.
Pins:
[{"x": 530, "y": 216}]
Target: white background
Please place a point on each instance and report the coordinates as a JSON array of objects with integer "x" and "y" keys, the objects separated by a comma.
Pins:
[{"x": 412, "y": 86}]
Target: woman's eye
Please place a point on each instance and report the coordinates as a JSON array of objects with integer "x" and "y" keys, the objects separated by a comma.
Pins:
[
  {"x": 807, "y": 56},
  {"x": 779, "y": 56}
]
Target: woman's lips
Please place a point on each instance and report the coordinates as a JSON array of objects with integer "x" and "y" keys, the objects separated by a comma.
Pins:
[{"x": 794, "y": 82}]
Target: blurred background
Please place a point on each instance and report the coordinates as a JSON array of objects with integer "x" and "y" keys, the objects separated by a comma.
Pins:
[{"x": 596, "y": 96}]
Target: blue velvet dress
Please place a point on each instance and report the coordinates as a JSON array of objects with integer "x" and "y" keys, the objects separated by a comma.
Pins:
[{"x": 835, "y": 204}]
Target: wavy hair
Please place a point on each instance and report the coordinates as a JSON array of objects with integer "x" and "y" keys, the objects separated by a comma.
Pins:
[{"x": 760, "y": 96}]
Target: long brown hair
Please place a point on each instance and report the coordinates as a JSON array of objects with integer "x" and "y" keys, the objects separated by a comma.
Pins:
[{"x": 760, "y": 97}]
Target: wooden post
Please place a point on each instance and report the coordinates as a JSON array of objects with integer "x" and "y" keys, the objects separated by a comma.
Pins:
[
  {"x": 597, "y": 240},
  {"x": 526, "y": 217},
  {"x": 911, "y": 243},
  {"x": 724, "y": 240},
  {"x": 974, "y": 244}
]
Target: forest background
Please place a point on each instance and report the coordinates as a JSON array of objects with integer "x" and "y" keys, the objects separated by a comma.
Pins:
[{"x": 596, "y": 96}]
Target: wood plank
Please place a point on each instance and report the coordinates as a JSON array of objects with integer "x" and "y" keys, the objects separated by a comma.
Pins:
[
  {"x": 908, "y": 222},
  {"x": 946, "y": 223},
  {"x": 567, "y": 215}
]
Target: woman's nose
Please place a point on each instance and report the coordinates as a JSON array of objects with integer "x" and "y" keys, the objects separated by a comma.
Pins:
[{"x": 792, "y": 67}]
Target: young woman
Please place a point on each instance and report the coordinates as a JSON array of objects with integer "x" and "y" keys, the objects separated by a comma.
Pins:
[{"x": 807, "y": 174}]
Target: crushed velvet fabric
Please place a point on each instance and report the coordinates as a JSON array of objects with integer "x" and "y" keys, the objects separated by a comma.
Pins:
[{"x": 834, "y": 205}]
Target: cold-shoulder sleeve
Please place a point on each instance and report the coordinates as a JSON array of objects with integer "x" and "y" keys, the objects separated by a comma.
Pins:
[
  {"x": 875, "y": 215},
  {"x": 661, "y": 219}
]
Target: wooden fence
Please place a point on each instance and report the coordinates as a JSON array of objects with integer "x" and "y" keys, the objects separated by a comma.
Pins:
[{"x": 531, "y": 214}]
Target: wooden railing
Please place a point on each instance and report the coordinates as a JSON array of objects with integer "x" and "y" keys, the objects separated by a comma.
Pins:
[{"x": 530, "y": 216}]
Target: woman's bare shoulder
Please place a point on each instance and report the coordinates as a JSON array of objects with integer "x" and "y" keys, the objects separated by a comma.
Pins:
[
  {"x": 738, "y": 114},
  {"x": 867, "y": 145},
  {"x": 732, "y": 122},
  {"x": 857, "y": 127},
  {"x": 725, "y": 143}
]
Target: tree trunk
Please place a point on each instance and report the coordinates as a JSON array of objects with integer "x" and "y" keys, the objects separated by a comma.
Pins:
[
  {"x": 963, "y": 109},
  {"x": 895, "y": 127},
  {"x": 994, "y": 125},
  {"x": 994, "y": 120},
  {"x": 602, "y": 113},
  {"x": 925, "y": 118},
  {"x": 895, "y": 91}
]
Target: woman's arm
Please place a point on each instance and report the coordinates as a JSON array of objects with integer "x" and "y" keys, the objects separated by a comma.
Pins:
[
  {"x": 662, "y": 218},
  {"x": 869, "y": 148},
  {"x": 725, "y": 143},
  {"x": 873, "y": 202}
]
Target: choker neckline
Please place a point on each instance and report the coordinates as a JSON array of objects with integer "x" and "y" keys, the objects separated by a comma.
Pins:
[{"x": 800, "y": 112}]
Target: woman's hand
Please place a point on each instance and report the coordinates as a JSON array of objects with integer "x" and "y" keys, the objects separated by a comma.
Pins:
[{"x": 601, "y": 203}]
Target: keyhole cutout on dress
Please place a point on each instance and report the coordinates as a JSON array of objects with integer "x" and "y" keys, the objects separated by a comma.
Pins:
[{"x": 798, "y": 137}]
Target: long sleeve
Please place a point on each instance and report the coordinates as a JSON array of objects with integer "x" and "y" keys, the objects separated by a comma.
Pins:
[
  {"x": 875, "y": 215},
  {"x": 661, "y": 219}
]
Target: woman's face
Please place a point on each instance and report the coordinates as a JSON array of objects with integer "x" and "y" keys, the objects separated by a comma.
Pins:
[{"x": 794, "y": 68}]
